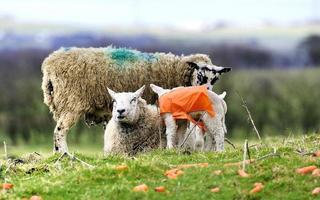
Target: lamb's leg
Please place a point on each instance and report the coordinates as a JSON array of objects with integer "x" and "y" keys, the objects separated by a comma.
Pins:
[
  {"x": 209, "y": 144},
  {"x": 219, "y": 139},
  {"x": 171, "y": 129},
  {"x": 215, "y": 133},
  {"x": 199, "y": 139},
  {"x": 181, "y": 131}
]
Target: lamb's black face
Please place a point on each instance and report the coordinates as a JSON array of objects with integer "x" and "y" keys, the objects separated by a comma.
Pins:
[
  {"x": 204, "y": 77},
  {"x": 207, "y": 74}
]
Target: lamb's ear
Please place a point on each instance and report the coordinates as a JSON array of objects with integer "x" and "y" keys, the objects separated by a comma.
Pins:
[
  {"x": 220, "y": 70},
  {"x": 223, "y": 95},
  {"x": 193, "y": 65},
  {"x": 112, "y": 93},
  {"x": 139, "y": 92},
  {"x": 157, "y": 89}
]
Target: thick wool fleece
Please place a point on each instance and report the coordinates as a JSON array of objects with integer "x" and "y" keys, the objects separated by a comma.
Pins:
[
  {"x": 141, "y": 136},
  {"x": 75, "y": 80}
]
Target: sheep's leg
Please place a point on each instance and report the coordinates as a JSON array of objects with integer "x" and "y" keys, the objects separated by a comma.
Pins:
[
  {"x": 171, "y": 129},
  {"x": 199, "y": 139},
  {"x": 181, "y": 131},
  {"x": 60, "y": 140},
  {"x": 215, "y": 133},
  {"x": 219, "y": 139},
  {"x": 61, "y": 131},
  {"x": 209, "y": 144},
  {"x": 60, "y": 137}
]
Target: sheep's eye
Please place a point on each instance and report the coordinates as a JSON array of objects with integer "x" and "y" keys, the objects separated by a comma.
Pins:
[
  {"x": 133, "y": 100},
  {"x": 113, "y": 101}
]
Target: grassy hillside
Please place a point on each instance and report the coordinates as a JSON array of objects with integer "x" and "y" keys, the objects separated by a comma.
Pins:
[{"x": 39, "y": 175}]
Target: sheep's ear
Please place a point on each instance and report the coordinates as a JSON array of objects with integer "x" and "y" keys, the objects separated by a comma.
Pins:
[
  {"x": 220, "y": 70},
  {"x": 112, "y": 93},
  {"x": 223, "y": 95},
  {"x": 193, "y": 65},
  {"x": 139, "y": 92},
  {"x": 157, "y": 89}
]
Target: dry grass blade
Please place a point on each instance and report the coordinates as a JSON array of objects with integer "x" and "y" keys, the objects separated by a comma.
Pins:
[
  {"x": 229, "y": 142},
  {"x": 245, "y": 150},
  {"x": 244, "y": 104},
  {"x": 5, "y": 150},
  {"x": 74, "y": 158}
]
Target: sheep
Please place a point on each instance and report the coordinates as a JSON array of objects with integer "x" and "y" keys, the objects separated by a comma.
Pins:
[
  {"x": 192, "y": 103},
  {"x": 75, "y": 81},
  {"x": 198, "y": 135},
  {"x": 134, "y": 126}
]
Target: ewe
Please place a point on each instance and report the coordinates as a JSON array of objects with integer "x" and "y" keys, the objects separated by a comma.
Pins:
[
  {"x": 192, "y": 103},
  {"x": 134, "y": 126}
]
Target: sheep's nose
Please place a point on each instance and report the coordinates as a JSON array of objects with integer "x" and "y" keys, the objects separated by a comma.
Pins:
[{"x": 120, "y": 111}]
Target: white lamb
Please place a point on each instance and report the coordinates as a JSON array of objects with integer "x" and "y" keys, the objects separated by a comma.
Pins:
[
  {"x": 215, "y": 125},
  {"x": 134, "y": 126}
]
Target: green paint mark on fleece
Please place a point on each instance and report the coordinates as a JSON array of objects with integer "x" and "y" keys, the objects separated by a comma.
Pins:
[
  {"x": 122, "y": 56},
  {"x": 65, "y": 48}
]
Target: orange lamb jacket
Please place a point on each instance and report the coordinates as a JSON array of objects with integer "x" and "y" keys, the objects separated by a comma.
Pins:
[{"x": 184, "y": 100}]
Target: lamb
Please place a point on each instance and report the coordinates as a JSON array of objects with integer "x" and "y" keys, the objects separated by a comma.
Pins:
[
  {"x": 134, "y": 126},
  {"x": 75, "y": 81},
  {"x": 199, "y": 142},
  {"x": 192, "y": 103}
]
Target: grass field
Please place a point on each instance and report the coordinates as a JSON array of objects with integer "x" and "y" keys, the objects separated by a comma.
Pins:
[{"x": 39, "y": 175}]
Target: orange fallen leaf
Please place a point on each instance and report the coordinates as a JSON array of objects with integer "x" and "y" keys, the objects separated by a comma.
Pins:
[
  {"x": 179, "y": 172},
  {"x": 316, "y": 191},
  {"x": 121, "y": 167},
  {"x": 7, "y": 186},
  {"x": 173, "y": 173},
  {"x": 238, "y": 163},
  {"x": 306, "y": 170},
  {"x": 217, "y": 172},
  {"x": 257, "y": 184},
  {"x": 172, "y": 176},
  {"x": 316, "y": 173},
  {"x": 141, "y": 188},
  {"x": 257, "y": 188},
  {"x": 316, "y": 154},
  {"x": 160, "y": 189},
  {"x": 35, "y": 198},
  {"x": 242, "y": 173},
  {"x": 215, "y": 190},
  {"x": 192, "y": 165}
]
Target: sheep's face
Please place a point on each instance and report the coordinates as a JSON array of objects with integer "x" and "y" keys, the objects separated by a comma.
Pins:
[
  {"x": 205, "y": 74},
  {"x": 125, "y": 106}
]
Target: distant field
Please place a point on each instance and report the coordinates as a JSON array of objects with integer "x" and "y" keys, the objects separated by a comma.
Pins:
[{"x": 38, "y": 175}]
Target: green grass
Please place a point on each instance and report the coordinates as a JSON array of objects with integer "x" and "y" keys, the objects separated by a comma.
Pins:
[{"x": 71, "y": 180}]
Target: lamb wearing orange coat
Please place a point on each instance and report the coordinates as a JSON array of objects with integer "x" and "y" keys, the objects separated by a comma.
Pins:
[{"x": 183, "y": 104}]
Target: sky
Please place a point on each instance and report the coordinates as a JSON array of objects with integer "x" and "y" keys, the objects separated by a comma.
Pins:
[{"x": 178, "y": 13}]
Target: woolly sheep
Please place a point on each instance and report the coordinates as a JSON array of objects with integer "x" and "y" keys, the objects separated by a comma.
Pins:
[
  {"x": 176, "y": 128},
  {"x": 134, "y": 126},
  {"x": 75, "y": 81}
]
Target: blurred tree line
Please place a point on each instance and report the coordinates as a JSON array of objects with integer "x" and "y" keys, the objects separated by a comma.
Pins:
[{"x": 281, "y": 101}]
